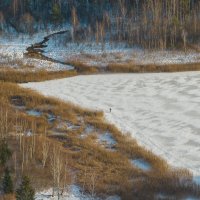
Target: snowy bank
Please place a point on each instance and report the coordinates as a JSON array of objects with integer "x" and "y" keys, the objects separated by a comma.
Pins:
[{"x": 159, "y": 110}]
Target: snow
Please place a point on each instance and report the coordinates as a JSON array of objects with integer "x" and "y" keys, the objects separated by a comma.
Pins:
[
  {"x": 34, "y": 113},
  {"x": 141, "y": 164},
  {"x": 13, "y": 47},
  {"x": 74, "y": 193},
  {"x": 51, "y": 118},
  {"x": 60, "y": 48},
  {"x": 88, "y": 131},
  {"x": 106, "y": 140},
  {"x": 12, "y": 56},
  {"x": 159, "y": 110},
  {"x": 192, "y": 198},
  {"x": 197, "y": 180},
  {"x": 94, "y": 54}
]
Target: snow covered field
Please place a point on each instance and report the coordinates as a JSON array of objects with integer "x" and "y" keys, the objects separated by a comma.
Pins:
[
  {"x": 160, "y": 110},
  {"x": 94, "y": 55},
  {"x": 13, "y": 47},
  {"x": 60, "y": 47}
]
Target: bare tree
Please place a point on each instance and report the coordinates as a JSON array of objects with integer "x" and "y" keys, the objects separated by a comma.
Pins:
[
  {"x": 56, "y": 168},
  {"x": 75, "y": 22},
  {"x": 184, "y": 37},
  {"x": 45, "y": 149},
  {"x": 92, "y": 183},
  {"x": 27, "y": 22},
  {"x": 1, "y": 21}
]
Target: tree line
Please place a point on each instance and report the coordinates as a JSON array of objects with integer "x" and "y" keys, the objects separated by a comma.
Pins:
[{"x": 151, "y": 24}]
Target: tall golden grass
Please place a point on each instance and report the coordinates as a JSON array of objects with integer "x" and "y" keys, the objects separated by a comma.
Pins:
[
  {"x": 14, "y": 76},
  {"x": 111, "y": 169},
  {"x": 133, "y": 68}
]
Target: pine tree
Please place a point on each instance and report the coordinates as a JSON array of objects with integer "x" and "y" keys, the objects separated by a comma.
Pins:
[
  {"x": 7, "y": 182},
  {"x": 56, "y": 12},
  {"x": 25, "y": 191},
  {"x": 5, "y": 153}
]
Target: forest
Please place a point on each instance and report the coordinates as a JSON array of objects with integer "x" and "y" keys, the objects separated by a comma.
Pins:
[{"x": 158, "y": 24}]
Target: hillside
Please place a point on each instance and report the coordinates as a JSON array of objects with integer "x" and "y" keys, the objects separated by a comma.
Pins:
[
  {"x": 156, "y": 24},
  {"x": 99, "y": 99}
]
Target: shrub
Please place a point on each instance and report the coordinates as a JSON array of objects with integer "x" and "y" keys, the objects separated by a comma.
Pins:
[
  {"x": 7, "y": 182},
  {"x": 5, "y": 152},
  {"x": 25, "y": 191}
]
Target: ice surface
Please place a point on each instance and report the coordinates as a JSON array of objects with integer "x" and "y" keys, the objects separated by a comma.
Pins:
[
  {"x": 34, "y": 113},
  {"x": 160, "y": 110},
  {"x": 141, "y": 164},
  {"x": 106, "y": 139}
]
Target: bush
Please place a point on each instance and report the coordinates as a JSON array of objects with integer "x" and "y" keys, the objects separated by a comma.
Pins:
[
  {"x": 25, "y": 191},
  {"x": 7, "y": 182},
  {"x": 5, "y": 152}
]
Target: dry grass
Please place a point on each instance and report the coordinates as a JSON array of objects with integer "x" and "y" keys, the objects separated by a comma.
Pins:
[
  {"x": 8, "y": 197},
  {"x": 83, "y": 68},
  {"x": 11, "y": 75},
  {"x": 111, "y": 169},
  {"x": 15, "y": 76},
  {"x": 132, "y": 68}
]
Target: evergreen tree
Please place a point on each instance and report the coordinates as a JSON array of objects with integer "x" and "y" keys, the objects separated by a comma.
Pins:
[
  {"x": 56, "y": 12},
  {"x": 7, "y": 182},
  {"x": 5, "y": 153},
  {"x": 25, "y": 191}
]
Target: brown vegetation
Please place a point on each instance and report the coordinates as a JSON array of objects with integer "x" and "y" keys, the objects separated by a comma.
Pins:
[
  {"x": 98, "y": 170},
  {"x": 132, "y": 68},
  {"x": 14, "y": 76}
]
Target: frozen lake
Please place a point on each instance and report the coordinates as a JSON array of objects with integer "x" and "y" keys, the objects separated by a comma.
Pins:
[{"x": 162, "y": 111}]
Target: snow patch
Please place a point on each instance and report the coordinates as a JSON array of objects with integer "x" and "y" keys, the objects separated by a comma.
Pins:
[
  {"x": 107, "y": 140},
  {"x": 73, "y": 194},
  {"x": 34, "y": 113},
  {"x": 141, "y": 164}
]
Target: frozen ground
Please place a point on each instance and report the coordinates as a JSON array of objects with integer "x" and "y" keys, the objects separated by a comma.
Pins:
[
  {"x": 61, "y": 48},
  {"x": 74, "y": 193},
  {"x": 93, "y": 55},
  {"x": 141, "y": 164},
  {"x": 12, "y": 48},
  {"x": 160, "y": 110}
]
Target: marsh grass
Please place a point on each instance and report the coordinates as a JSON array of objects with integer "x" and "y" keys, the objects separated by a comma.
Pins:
[
  {"x": 14, "y": 76},
  {"x": 111, "y": 171}
]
